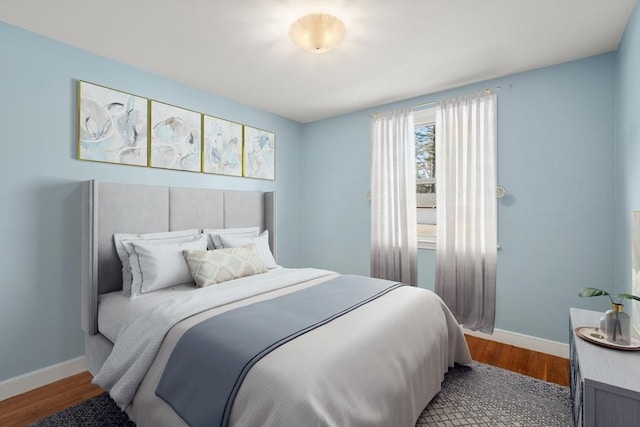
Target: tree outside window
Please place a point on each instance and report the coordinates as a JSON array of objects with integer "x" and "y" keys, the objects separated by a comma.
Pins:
[{"x": 426, "y": 165}]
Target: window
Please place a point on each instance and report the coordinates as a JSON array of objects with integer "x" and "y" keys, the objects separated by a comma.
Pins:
[{"x": 425, "y": 131}]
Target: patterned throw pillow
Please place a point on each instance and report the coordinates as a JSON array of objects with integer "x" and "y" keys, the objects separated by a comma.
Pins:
[{"x": 220, "y": 265}]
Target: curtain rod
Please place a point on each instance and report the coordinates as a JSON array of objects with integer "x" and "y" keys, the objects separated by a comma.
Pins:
[{"x": 428, "y": 104}]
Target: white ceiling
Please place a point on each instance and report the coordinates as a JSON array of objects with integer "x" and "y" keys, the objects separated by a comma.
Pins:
[{"x": 393, "y": 50}]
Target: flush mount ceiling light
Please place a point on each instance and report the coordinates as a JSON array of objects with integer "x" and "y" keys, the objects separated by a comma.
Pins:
[{"x": 318, "y": 32}]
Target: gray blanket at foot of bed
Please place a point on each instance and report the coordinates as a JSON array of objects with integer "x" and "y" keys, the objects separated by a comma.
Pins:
[{"x": 209, "y": 363}]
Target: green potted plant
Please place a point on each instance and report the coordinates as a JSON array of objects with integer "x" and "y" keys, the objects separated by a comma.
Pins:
[{"x": 616, "y": 324}]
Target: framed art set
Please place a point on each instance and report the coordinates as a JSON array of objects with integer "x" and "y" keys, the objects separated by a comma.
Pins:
[{"x": 118, "y": 127}]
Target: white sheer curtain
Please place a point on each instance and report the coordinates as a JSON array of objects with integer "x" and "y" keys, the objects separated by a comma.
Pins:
[
  {"x": 393, "y": 197},
  {"x": 466, "y": 177}
]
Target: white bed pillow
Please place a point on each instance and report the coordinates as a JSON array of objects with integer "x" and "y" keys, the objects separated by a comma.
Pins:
[
  {"x": 261, "y": 242},
  {"x": 220, "y": 265},
  {"x": 167, "y": 236},
  {"x": 158, "y": 265},
  {"x": 215, "y": 233}
]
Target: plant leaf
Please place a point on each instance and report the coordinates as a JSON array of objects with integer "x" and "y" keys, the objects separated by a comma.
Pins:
[
  {"x": 593, "y": 292},
  {"x": 629, "y": 296}
]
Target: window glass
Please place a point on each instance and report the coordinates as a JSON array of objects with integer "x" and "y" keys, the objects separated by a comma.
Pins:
[
  {"x": 426, "y": 165},
  {"x": 425, "y": 135}
]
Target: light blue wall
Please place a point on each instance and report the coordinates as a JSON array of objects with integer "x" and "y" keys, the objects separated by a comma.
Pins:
[
  {"x": 40, "y": 202},
  {"x": 627, "y": 159},
  {"x": 555, "y": 130},
  {"x": 556, "y": 159}
]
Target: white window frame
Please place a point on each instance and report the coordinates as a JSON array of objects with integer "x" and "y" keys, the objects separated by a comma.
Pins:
[{"x": 423, "y": 117}]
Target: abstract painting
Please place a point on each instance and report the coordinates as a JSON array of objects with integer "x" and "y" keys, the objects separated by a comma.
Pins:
[
  {"x": 635, "y": 268},
  {"x": 112, "y": 125},
  {"x": 259, "y": 159},
  {"x": 175, "y": 137},
  {"x": 222, "y": 152}
]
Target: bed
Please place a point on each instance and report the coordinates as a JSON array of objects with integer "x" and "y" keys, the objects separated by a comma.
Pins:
[{"x": 375, "y": 360}]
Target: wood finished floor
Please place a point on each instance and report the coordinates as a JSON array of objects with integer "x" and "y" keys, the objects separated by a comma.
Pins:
[{"x": 39, "y": 403}]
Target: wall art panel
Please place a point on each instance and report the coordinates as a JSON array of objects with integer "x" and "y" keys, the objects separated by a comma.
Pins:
[
  {"x": 175, "y": 138},
  {"x": 259, "y": 159},
  {"x": 222, "y": 152},
  {"x": 112, "y": 125}
]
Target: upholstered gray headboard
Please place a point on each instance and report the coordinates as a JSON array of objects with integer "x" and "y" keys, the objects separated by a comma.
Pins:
[{"x": 124, "y": 208}]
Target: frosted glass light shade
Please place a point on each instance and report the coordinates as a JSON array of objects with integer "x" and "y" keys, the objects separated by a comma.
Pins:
[{"x": 318, "y": 32}]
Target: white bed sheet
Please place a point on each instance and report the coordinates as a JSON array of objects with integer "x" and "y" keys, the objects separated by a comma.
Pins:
[{"x": 115, "y": 308}]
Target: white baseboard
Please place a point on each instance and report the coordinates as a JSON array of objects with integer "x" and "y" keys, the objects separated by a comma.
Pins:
[
  {"x": 524, "y": 341},
  {"x": 32, "y": 380}
]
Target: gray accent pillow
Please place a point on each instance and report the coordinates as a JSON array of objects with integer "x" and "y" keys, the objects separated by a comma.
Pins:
[{"x": 216, "y": 233}]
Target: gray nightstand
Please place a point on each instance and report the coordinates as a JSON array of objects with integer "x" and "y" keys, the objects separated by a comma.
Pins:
[{"x": 605, "y": 383}]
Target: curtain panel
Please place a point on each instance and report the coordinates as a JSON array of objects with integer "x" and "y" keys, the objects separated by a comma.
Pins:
[
  {"x": 394, "y": 240},
  {"x": 466, "y": 177}
]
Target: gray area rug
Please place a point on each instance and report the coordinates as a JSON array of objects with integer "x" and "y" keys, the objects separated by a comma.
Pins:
[
  {"x": 479, "y": 395},
  {"x": 483, "y": 395}
]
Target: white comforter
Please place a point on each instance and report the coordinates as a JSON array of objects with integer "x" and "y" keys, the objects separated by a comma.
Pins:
[{"x": 378, "y": 365}]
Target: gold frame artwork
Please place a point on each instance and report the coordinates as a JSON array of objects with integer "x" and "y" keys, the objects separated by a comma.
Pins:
[
  {"x": 112, "y": 125},
  {"x": 635, "y": 269},
  {"x": 222, "y": 143},
  {"x": 258, "y": 153},
  {"x": 176, "y": 137}
]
